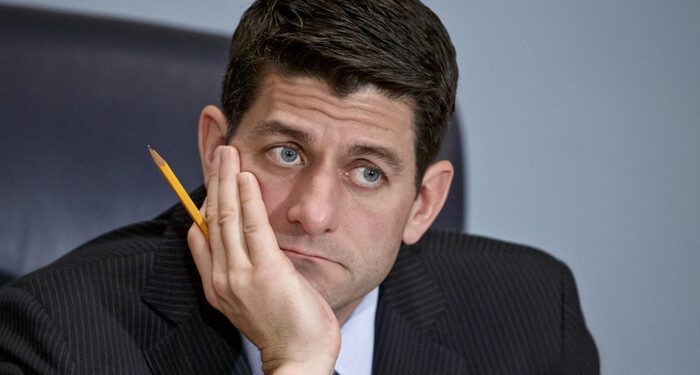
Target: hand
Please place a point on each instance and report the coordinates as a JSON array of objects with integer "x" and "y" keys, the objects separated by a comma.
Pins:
[{"x": 248, "y": 278}]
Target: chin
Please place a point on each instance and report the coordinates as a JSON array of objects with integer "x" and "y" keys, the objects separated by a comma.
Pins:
[{"x": 313, "y": 276}]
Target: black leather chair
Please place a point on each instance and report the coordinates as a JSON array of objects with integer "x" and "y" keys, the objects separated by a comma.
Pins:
[{"x": 82, "y": 97}]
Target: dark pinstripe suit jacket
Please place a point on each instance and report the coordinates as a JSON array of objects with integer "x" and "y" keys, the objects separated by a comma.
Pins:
[{"x": 130, "y": 302}]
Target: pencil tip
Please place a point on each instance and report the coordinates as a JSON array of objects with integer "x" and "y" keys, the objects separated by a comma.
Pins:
[
  {"x": 157, "y": 158},
  {"x": 149, "y": 147}
]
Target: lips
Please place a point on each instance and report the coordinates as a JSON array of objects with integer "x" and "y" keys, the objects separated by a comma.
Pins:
[{"x": 303, "y": 254}]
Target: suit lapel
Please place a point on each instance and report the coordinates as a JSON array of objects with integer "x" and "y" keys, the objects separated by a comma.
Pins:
[
  {"x": 200, "y": 340},
  {"x": 196, "y": 346},
  {"x": 409, "y": 303}
]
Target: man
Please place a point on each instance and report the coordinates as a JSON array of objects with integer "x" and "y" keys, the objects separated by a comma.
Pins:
[{"x": 317, "y": 168}]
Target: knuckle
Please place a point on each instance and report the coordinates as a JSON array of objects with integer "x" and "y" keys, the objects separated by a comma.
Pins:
[
  {"x": 194, "y": 235},
  {"x": 228, "y": 214},
  {"x": 235, "y": 283},
  {"x": 246, "y": 199},
  {"x": 190, "y": 236},
  {"x": 211, "y": 297},
  {"x": 209, "y": 215},
  {"x": 219, "y": 285},
  {"x": 252, "y": 227},
  {"x": 266, "y": 276}
]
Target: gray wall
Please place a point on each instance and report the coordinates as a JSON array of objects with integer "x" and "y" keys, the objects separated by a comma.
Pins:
[{"x": 583, "y": 127}]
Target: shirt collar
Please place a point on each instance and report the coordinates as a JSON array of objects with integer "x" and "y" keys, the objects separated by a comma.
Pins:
[{"x": 357, "y": 341}]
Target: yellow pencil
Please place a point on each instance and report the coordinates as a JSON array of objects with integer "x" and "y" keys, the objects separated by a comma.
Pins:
[{"x": 180, "y": 191}]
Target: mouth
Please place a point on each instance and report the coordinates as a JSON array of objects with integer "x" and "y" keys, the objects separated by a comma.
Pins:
[{"x": 293, "y": 253}]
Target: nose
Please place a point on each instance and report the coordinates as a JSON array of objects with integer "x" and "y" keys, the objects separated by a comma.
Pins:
[{"x": 314, "y": 202}]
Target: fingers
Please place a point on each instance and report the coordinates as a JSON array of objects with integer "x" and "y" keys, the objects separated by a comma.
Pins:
[
  {"x": 230, "y": 217},
  {"x": 246, "y": 277},
  {"x": 199, "y": 247},
  {"x": 258, "y": 234},
  {"x": 218, "y": 253},
  {"x": 240, "y": 234}
]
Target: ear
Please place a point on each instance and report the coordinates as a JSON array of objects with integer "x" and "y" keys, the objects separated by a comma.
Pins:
[
  {"x": 212, "y": 130},
  {"x": 431, "y": 197}
]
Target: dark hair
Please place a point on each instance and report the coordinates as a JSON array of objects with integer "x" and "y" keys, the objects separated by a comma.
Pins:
[{"x": 399, "y": 46}]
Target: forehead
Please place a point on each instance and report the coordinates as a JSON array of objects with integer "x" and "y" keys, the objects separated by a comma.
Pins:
[{"x": 310, "y": 104}]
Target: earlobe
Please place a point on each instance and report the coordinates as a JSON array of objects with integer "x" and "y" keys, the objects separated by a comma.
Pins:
[
  {"x": 431, "y": 197},
  {"x": 212, "y": 129}
]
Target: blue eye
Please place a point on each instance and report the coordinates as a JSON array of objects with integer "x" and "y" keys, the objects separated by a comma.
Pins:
[
  {"x": 367, "y": 177},
  {"x": 288, "y": 155},
  {"x": 370, "y": 175},
  {"x": 285, "y": 155}
]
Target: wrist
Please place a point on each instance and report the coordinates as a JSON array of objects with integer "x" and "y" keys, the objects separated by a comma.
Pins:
[
  {"x": 300, "y": 362},
  {"x": 295, "y": 368}
]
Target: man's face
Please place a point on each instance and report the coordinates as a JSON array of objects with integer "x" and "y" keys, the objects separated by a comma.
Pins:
[{"x": 337, "y": 179}]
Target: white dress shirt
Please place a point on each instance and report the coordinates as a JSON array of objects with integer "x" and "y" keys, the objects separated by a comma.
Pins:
[{"x": 356, "y": 338}]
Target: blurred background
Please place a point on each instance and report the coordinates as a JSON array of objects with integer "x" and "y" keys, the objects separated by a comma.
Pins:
[{"x": 581, "y": 122}]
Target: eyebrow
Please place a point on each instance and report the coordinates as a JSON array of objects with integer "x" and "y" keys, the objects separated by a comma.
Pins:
[{"x": 278, "y": 128}]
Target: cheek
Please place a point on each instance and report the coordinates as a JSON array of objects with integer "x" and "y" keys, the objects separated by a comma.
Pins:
[
  {"x": 375, "y": 257},
  {"x": 378, "y": 232},
  {"x": 274, "y": 191},
  {"x": 271, "y": 187},
  {"x": 383, "y": 216}
]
